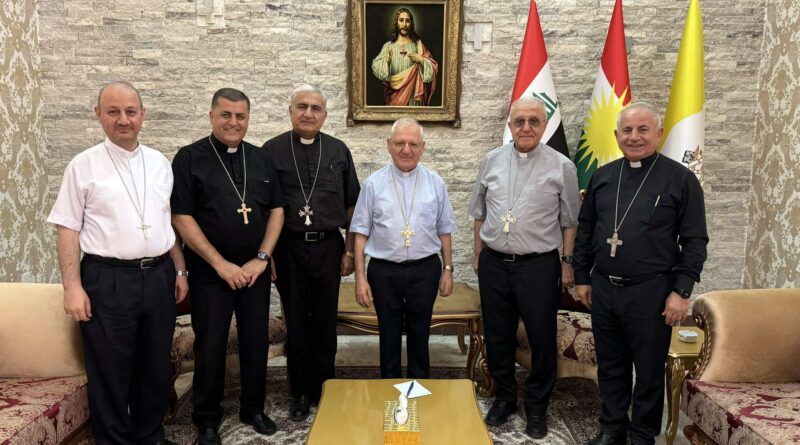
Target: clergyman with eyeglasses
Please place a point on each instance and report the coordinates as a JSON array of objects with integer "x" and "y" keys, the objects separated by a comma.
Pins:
[{"x": 525, "y": 205}]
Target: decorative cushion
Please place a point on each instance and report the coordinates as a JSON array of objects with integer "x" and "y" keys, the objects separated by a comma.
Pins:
[
  {"x": 574, "y": 336},
  {"x": 744, "y": 413},
  {"x": 42, "y": 410},
  {"x": 183, "y": 340},
  {"x": 36, "y": 338}
]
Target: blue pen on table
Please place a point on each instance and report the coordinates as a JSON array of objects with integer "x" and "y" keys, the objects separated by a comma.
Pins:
[{"x": 410, "y": 387}]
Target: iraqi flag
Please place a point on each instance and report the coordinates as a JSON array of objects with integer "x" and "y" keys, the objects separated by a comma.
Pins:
[
  {"x": 684, "y": 123},
  {"x": 534, "y": 79},
  {"x": 597, "y": 145}
]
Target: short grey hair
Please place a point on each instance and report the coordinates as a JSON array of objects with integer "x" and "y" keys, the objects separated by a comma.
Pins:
[
  {"x": 121, "y": 83},
  {"x": 308, "y": 88},
  {"x": 639, "y": 105},
  {"x": 407, "y": 122},
  {"x": 529, "y": 100}
]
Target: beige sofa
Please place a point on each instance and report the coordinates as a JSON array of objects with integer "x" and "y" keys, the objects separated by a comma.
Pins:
[
  {"x": 43, "y": 393},
  {"x": 745, "y": 388}
]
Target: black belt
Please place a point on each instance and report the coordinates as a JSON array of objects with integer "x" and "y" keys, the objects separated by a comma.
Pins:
[
  {"x": 141, "y": 263},
  {"x": 311, "y": 236},
  {"x": 405, "y": 263},
  {"x": 628, "y": 281},
  {"x": 513, "y": 257}
]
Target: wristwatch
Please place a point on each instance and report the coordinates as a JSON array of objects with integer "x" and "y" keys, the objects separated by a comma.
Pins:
[
  {"x": 685, "y": 294},
  {"x": 448, "y": 267},
  {"x": 566, "y": 259},
  {"x": 263, "y": 256},
  {"x": 181, "y": 273}
]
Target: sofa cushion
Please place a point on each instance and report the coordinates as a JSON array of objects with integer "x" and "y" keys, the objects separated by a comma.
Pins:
[
  {"x": 37, "y": 339},
  {"x": 42, "y": 410},
  {"x": 744, "y": 413},
  {"x": 574, "y": 336},
  {"x": 183, "y": 340}
]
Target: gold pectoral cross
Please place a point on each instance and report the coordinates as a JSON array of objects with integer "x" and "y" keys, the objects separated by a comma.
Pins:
[
  {"x": 244, "y": 210},
  {"x": 307, "y": 212},
  {"x": 408, "y": 233},
  {"x": 144, "y": 227},
  {"x": 614, "y": 241},
  {"x": 507, "y": 219}
]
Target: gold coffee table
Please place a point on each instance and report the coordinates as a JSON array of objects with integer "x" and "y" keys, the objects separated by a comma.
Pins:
[
  {"x": 351, "y": 412},
  {"x": 680, "y": 360}
]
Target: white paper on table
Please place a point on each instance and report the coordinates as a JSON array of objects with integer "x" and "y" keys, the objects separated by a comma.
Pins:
[{"x": 417, "y": 391}]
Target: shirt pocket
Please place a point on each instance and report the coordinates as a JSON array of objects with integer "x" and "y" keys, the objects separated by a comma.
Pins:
[
  {"x": 331, "y": 178},
  {"x": 663, "y": 210},
  {"x": 262, "y": 190}
]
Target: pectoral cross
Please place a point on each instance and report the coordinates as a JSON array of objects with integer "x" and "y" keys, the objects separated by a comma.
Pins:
[
  {"x": 614, "y": 241},
  {"x": 307, "y": 212},
  {"x": 507, "y": 219},
  {"x": 144, "y": 227},
  {"x": 408, "y": 233},
  {"x": 244, "y": 210}
]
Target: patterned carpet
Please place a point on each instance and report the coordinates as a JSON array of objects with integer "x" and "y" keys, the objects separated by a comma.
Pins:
[{"x": 574, "y": 408}]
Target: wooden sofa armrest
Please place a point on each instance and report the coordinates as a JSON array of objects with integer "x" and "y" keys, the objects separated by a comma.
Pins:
[{"x": 751, "y": 335}]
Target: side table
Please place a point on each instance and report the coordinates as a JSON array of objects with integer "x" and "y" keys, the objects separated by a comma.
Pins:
[{"x": 680, "y": 360}]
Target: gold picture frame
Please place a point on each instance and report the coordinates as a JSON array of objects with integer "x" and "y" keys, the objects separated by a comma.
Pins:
[{"x": 404, "y": 60}]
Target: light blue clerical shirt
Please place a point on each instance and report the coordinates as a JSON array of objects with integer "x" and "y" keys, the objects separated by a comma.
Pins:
[{"x": 378, "y": 214}]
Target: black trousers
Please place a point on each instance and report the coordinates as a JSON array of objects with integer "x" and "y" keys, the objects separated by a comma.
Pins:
[
  {"x": 629, "y": 331},
  {"x": 309, "y": 273},
  {"x": 527, "y": 289},
  {"x": 126, "y": 346},
  {"x": 213, "y": 305},
  {"x": 404, "y": 295}
]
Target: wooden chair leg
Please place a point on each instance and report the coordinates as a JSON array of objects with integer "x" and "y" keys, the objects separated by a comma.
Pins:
[{"x": 462, "y": 344}]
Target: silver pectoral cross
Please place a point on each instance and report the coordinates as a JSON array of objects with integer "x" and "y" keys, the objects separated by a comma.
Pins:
[
  {"x": 614, "y": 241},
  {"x": 306, "y": 212},
  {"x": 244, "y": 210},
  {"x": 507, "y": 219},
  {"x": 408, "y": 233},
  {"x": 144, "y": 228}
]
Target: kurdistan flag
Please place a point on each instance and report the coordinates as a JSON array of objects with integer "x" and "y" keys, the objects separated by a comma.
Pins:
[
  {"x": 534, "y": 79},
  {"x": 684, "y": 125},
  {"x": 597, "y": 145}
]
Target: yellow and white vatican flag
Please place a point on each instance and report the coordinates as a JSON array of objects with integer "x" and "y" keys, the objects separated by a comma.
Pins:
[{"x": 684, "y": 123}]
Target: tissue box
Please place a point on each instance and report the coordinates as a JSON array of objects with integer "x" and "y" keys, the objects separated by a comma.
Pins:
[{"x": 394, "y": 434}]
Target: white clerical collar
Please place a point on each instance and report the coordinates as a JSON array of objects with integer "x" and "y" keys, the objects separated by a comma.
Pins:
[
  {"x": 121, "y": 152},
  {"x": 305, "y": 141},
  {"x": 527, "y": 154},
  {"x": 635, "y": 164},
  {"x": 403, "y": 174},
  {"x": 233, "y": 149}
]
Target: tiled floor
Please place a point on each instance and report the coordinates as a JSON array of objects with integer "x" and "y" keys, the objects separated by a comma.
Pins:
[{"x": 355, "y": 350}]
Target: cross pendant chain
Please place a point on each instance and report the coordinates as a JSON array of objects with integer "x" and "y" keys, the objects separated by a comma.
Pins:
[
  {"x": 408, "y": 233},
  {"x": 306, "y": 212},
  {"x": 614, "y": 241},
  {"x": 507, "y": 219},
  {"x": 244, "y": 210},
  {"x": 144, "y": 228}
]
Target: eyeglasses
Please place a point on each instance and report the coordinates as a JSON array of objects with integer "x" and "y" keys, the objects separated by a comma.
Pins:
[{"x": 520, "y": 122}]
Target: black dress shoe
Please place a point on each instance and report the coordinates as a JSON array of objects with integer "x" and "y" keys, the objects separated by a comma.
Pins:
[
  {"x": 261, "y": 423},
  {"x": 536, "y": 426},
  {"x": 208, "y": 436},
  {"x": 300, "y": 408},
  {"x": 609, "y": 438},
  {"x": 499, "y": 412}
]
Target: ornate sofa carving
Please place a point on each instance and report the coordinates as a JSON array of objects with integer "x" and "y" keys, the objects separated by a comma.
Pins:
[{"x": 745, "y": 388}]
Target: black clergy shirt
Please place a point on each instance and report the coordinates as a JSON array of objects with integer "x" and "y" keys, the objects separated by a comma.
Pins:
[
  {"x": 664, "y": 231},
  {"x": 337, "y": 186},
  {"x": 203, "y": 191}
]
